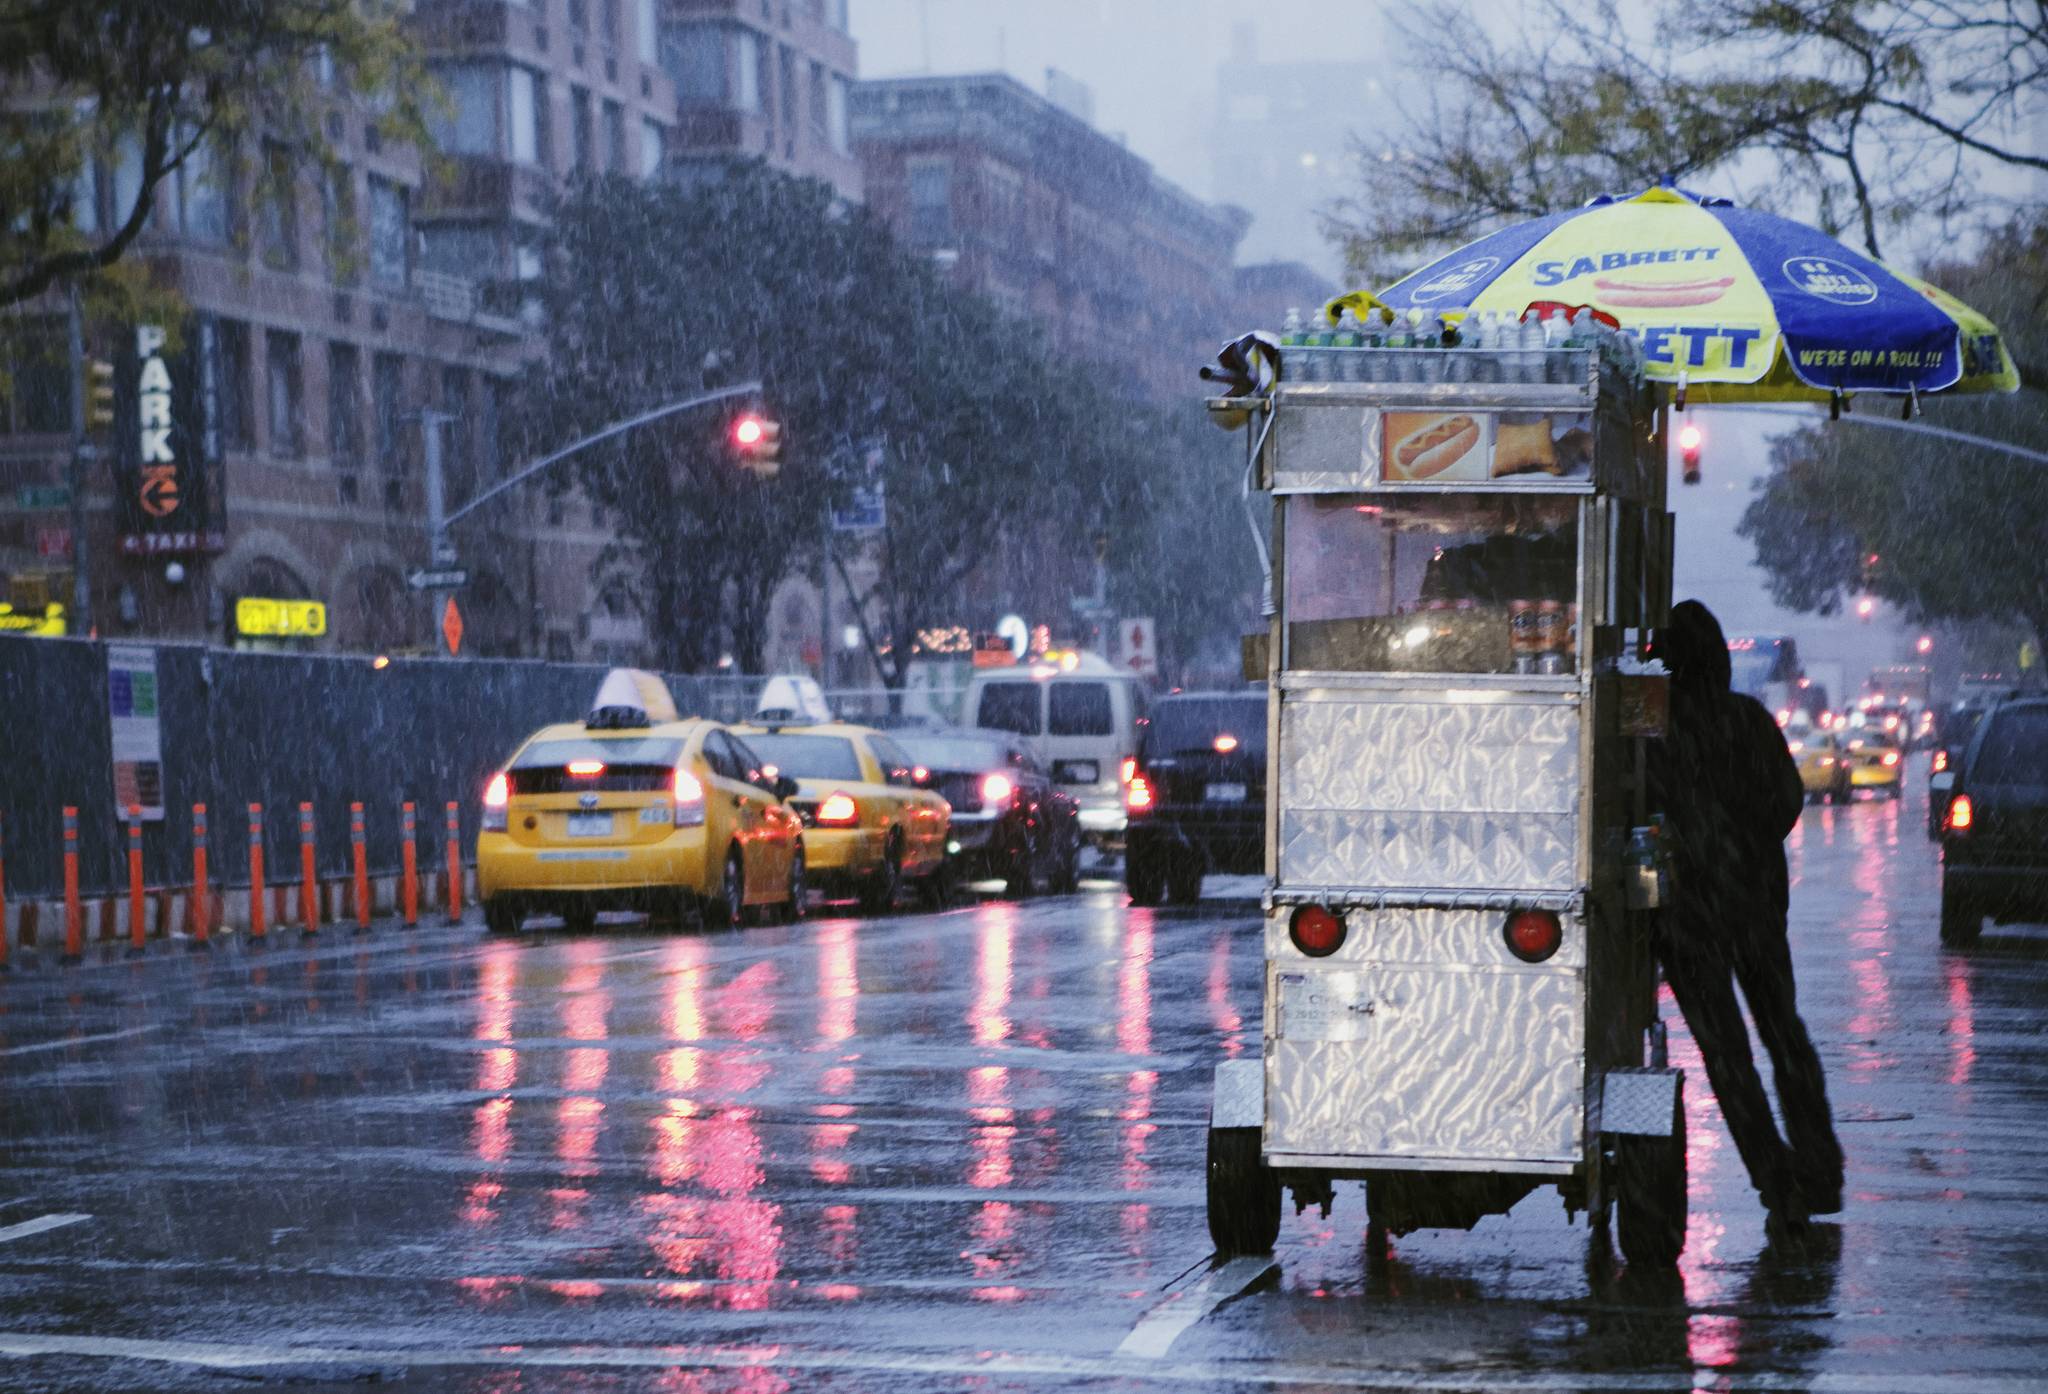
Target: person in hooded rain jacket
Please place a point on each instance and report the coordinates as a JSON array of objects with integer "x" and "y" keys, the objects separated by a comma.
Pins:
[{"x": 1730, "y": 794}]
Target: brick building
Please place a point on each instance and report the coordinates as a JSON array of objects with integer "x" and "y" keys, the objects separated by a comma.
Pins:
[{"x": 1030, "y": 205}]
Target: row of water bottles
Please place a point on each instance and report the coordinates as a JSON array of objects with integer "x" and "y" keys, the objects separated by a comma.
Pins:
[{"x": 1534, "y": 347}]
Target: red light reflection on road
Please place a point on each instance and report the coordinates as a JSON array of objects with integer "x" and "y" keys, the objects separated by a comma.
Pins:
[
  {"x": 1134, "y": 1037},
  {"x": 992, "y": 975},
  {"x": 1961, "y": 1028},
  {"x": 1223, "y": 1013},
  {"x": 838, "y": 982},
  {"x": 1870, "y": 937},
  {"x": 497, "y": 1071}
]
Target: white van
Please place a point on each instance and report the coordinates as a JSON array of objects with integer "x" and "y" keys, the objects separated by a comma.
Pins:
[{"x": 1081, "y": 721}]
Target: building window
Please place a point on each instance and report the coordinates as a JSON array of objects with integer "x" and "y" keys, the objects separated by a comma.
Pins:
[
  {"x": 278, "y": 190},
  {"x": 751, "y": 71},
  {"x": 786, "y": 79},
  {"x": 611, "y": 22},
  {"x": 615, "y": 137},
  {"x": 650, "y": 31},
  {"x": 390, "y": 233},
  {"x": 819, "y": 129},
  {"x": 387, "y": 389},
  {"x": 579, "y": 105},
  {"x": 470, "y": 124},
  {"x": 344, "y": 408},
  {"x": 341, "y": 239},
  {"x": 205, "y": 190},
  {"x": 931, "y": 200},
  {"x": 695, "y": 59},
  {"x": 525, "y": 120},
  {"x": 650, "y": 149},
  {"x": 468, "y": 250},
  {"x": 287, "y": 438},
  {"x": 579, "y": 16},
  {"x": 237, "y": 420},
  {"x": 835, "y": 115}
]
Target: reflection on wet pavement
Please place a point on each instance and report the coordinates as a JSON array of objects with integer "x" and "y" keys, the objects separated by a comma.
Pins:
[{"x": 943, "y": 1151}]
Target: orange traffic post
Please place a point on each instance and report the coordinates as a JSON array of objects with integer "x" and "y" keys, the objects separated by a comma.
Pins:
[
  {"x": 360, "y": 854},
  {"x": 309, "y": 890},
  {"x": 74, "y": 918},
  {"x": 258, "y": 926},
  {"x": 3, "y": 897},
  {"x": 409, "y": 880},
  {"x": 202, "y": 911},
  {"x": 135, "y": 929},
  {"x": 454, "y": 863}
]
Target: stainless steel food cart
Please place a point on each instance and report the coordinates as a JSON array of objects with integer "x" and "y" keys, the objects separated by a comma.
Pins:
[{"x": 1467, "y": 552}]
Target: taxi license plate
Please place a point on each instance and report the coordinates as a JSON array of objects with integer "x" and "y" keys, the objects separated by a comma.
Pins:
[
  {"x": 590, "y": 825},
  {"x": 1224, "y": 793}
]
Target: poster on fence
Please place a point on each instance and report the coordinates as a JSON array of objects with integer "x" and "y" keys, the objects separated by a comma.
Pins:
[{"x": 138, "y": 735}]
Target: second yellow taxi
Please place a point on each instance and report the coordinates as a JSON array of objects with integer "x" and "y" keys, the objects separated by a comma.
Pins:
[
  {"x": 1823, "y": 773},
  {"x": 1876, "y": 760},
  {"x": 637, "y": 808},
  {"x": 870, "y": 827}
]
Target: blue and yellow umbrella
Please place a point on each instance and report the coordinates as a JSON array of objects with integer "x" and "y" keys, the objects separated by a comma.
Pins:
[{"x": 1738, "y": 304}]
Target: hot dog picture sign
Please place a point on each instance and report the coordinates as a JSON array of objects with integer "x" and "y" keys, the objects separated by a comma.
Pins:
[{"x": 1474, "y": 447}]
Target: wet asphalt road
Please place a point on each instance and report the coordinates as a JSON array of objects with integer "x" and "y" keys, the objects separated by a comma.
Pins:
[{"x": 956, "y": 1151}]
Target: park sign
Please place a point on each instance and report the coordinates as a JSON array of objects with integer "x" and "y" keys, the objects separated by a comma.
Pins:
[{"x": 167, "y": 446}]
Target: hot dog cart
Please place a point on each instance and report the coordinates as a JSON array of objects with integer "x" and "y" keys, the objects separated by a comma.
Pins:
[{"x": 1468, "y": 549}]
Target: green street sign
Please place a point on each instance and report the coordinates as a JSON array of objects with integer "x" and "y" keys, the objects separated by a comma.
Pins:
[{"x": 44, "y": 496}]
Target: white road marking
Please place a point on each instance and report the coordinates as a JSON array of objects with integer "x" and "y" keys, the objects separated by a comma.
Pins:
[
  {"x": 38, "y": 1225},
  {"x": 1159, "y": 1328},
  {"x": 79, "y": 1040},
  {"x": 214, "y": 1355}
]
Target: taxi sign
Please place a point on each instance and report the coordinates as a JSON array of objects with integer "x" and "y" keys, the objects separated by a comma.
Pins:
[{"x": 260, "y": 617}]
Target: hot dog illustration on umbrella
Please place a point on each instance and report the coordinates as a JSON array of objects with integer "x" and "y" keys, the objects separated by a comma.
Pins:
[{"x": 1740, "y": 304}]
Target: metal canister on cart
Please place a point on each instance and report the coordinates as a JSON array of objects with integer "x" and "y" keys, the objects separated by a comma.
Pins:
[
  {"x": 1553, "y": 637},
  {"x": 1524, "y": 635}
]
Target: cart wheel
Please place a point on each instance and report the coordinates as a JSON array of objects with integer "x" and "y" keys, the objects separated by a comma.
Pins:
[
  {"x": 1962, "y": 920},
  {"x": 1244, "y": 1194},
  {"x": 1650, "y": 1191}
]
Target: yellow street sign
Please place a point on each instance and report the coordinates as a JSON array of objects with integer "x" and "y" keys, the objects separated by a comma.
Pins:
[{"x": 259, "y": 617}]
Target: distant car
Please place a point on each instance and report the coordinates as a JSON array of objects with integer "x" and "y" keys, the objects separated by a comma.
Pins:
[
  {"x": 1197, "y": 795},
  {"x": 869, "y": 828},
  {"x": 1952, "y": 733},
  {"x": 1823, "y": 773},
  {"x": 633, "y": 808},
  {"x": 1877, "y": 759},
  {"x": 1994, "y": 836},
  {"x": 1009, "y": 821}
]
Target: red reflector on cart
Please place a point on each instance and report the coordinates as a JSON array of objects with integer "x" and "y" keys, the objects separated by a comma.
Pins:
[
  {"x": 1533, "y": 935},
  {"x": 1315, "y": 931}
]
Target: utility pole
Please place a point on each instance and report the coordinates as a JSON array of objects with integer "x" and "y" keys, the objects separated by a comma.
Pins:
[
  {"x": 81, "y": 581},
  {"x": 440, "y": 553}
]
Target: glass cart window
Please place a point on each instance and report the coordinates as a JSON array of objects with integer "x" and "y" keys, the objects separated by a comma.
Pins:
[{"x": 1445, "y": 583}]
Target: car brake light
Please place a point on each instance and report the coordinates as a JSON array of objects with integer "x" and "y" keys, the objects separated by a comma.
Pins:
[
  {"x": 1891, "y": 757},
  {"x": 1315, "y": 931},
  {"x": 1138, "y": 795},
  {"x": 1960, "y": 814},
  {"x": 1940, "y": 761},
  {"x": 497, "y": 794},
  {"x": 838, "y": 811},
  {"x": 688, "y": 792},
  {"x": 1533, "y": 935},
  {"x": 1798, "y": 746},
  {"x": 997, "y": 789},
  {"x": 1225, "y": 743},
  {"x": 1126, "y": 770},
  {"x": 584, "y": 769}
]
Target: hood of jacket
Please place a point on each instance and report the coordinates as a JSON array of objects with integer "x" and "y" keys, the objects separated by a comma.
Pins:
[{"x": 1693, "y": 648}]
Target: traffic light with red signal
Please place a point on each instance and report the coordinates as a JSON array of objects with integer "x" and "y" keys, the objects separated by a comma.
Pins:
[
  {"x": 758, "y": 443},
  {"x": 1690, "y": 438}
]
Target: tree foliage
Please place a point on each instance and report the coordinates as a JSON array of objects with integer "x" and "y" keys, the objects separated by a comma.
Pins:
[
  {"x": 1959, "y": 533},
  {"x": 138, "y": 86},
  {"x": 1858, "y": 114},
  {"x": 1000, "y": 461}
]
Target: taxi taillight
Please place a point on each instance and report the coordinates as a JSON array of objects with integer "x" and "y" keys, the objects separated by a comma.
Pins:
[
  {"x": 838, "y": 811},
  {"x": 497, "y": 794},
  {"x": 687, "y": 791},
  {"x": 1315, "y": 931}
]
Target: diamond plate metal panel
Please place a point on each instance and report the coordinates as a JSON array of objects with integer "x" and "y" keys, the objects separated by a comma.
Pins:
[
  {"x": 1400, "y": 792},
  {"x": 1638, "y": 1101},
  {"x": 1480, "y": 1064}
]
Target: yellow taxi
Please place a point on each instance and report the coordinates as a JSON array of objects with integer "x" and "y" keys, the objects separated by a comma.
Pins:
[
  {"x": 1876, "y": 759},
  {"x": 637, "y": 808},
  {"x": 869, "y": 824},
  {"x": 1823, "y": 772}
]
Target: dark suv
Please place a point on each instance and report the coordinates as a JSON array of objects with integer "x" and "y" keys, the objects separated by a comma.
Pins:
[
  {"x": 1196, "y": 798},
  {"x": 1994, "y": 831}
]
